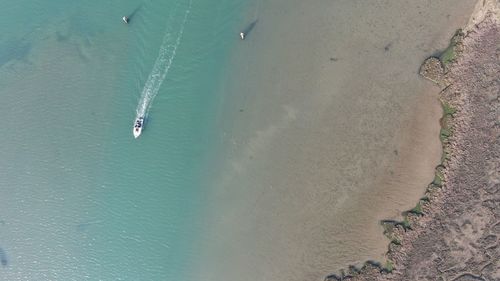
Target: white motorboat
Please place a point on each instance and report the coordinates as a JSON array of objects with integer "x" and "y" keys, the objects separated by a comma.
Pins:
[
  {"x": 125, "y": 19},
  {"x": 138, "y": 125}
]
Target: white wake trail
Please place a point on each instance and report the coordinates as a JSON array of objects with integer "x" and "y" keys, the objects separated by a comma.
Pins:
[{"x": 166, "y": 55}]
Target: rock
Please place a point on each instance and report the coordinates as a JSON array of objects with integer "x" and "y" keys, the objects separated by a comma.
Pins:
[{"x": 433, "y": 70}]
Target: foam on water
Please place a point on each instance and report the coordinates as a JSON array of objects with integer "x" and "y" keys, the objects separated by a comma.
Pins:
[{"x": 166, "y": 55}]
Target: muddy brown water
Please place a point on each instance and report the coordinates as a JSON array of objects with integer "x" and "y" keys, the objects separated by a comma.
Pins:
[{"x": 333, "y": 130}]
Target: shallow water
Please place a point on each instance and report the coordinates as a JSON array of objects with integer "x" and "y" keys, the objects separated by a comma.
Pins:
[
  {"x": 333, "y": 130},
  {"x": 262, "y": 159}
]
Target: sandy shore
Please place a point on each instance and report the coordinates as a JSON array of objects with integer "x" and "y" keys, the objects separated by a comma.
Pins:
[
  {"x": 453, "y": 233},
  {"x": 331, "y": 130}
]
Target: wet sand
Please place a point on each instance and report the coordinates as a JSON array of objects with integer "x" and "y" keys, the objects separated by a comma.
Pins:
[{"x": 332, "y": 130}]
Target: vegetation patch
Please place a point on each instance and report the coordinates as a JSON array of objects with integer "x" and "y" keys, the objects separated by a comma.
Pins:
[
  {"x": 448, "y": 109},
  {"x": 446, "y": 130},
  {"x": 405, "y": 223},
  {"x": 449, "y": 55},
  {"x": 389, "y": 266},
  {"x": 417, "y": 209},
  {"x": 438, "y": 178},
  {"x": 396, "y": 241},
  {"x": 444, "y": 134}
]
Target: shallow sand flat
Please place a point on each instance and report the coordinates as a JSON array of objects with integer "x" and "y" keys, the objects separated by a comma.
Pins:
[{"x": 333, "y": 130}]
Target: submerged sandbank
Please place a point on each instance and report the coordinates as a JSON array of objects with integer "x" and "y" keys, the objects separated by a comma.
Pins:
[{"x": 330, "y": 131}]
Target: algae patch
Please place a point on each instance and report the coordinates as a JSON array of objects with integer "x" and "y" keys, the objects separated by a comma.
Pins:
[{"x": 449, "y": 54}]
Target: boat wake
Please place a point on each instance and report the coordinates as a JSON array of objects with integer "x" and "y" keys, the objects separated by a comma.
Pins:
[{"x": 166, "y": 55}]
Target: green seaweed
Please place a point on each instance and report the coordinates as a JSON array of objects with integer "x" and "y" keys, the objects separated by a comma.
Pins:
[
  {"x": 406, "y": 223},
  {"x": 450, "y": 54},
  {"x": 444, "y": 134},
  {"x": 446, "y": 131},
  {"x": 438, "y": 179},
  {"x": 448, "y": 109},
  {"x": 396, "y": 241},
  {"x": 417, "y": 209},
  {"x": 389, "y": 266}
]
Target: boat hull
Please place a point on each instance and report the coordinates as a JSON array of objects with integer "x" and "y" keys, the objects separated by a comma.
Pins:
[
  {"x": 137, "y": 132},
  {"x": 138, "y": 126}
]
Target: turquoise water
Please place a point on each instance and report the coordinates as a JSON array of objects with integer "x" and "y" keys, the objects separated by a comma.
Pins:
[
  {"x": 257, "y": 158},
  {"x": 80, "y": 198}
]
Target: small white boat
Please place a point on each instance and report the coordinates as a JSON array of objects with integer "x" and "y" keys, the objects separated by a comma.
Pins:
[
  {"x": 242, "y": 35},
  {"x": 125, "y": 19},
  {"x": 138, "y": 125}
]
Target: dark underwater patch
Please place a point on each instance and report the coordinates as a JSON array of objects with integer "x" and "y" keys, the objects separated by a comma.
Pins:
[
  {"x": 14, "y": 50},
  {"x": 3, "y": 257}
]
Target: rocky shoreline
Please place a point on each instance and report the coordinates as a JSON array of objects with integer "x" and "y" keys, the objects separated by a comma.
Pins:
[{"x": 453, "y": 232}]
